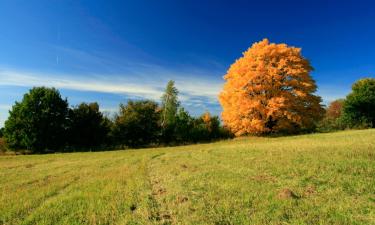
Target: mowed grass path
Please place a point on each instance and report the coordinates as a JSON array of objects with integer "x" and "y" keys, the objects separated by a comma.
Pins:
[{"x": 242, "y": 181}]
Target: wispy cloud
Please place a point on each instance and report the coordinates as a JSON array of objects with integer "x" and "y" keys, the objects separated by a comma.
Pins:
[{"x": 191, "y": 88}]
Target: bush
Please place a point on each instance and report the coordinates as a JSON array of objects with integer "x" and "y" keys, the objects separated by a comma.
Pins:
[
  {"x": 38, "y": 123},
  {"x": 202, "y": 129}
]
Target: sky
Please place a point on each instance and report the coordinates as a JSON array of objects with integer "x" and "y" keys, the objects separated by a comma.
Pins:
[{"x": 111, "y": 51}]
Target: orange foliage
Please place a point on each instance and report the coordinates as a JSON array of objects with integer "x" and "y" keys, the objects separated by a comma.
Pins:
[
  {"x": 206, "y": 117},
  {"x": 334, "y": 109},
  {"x": 270, "y": 89}
]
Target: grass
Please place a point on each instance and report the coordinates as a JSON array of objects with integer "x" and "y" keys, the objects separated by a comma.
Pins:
[{"x": 308, "y": 179}]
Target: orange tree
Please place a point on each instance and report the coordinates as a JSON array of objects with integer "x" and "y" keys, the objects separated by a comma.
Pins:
[{"x": 269, "y": 89}]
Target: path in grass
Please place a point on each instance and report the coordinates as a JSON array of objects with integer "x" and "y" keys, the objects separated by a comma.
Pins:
[{"x": 309, "y": 179}]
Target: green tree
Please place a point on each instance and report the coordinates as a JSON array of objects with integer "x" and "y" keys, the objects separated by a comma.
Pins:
[
  {"x": 38, "y": 123},
  {"x": 169, "y": 109},
  {"x": 184, "y": 126},
  {"x": 1, "y": 132},
  {"x": 359, "y": 106},
  {"x": 88, "y": 127},
  {"x": 137, "y": 123}
]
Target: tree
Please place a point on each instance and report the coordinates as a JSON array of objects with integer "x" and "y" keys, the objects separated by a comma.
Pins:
[
  {"x": 137, "y": 123},
  {"x": 184, "y": 126},
  {"x": 169, "y": 109},
  {"x": 1, "y": 132},
  {"x": 332, "y": 119},
  {"x": 38, "y": 122},
  {"x": 212, "y": 124},
  {"x": 88, "y": 127},
  {"x": 334, "y": 109},
  {"x": 270, "y": 89},
  {"x": 359, "y": 107}
]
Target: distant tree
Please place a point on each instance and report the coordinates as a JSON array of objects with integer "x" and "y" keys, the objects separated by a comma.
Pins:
[
  {"x": 332, "y": 117},
  {"x": 38, "y": 123},
  {"x": 334, "y": 109},
  {"x": 212, "y": 124},
  {"x": 169, "y": 109},
  {"x": 88, "y": 127},
  {"x": 137, "y": 123},
  {"x": 270, "y": 89},
  {"x": 359, "y": 107},
  {"x": 1, "y": 132},
  {"x": 184, "y": 126}
]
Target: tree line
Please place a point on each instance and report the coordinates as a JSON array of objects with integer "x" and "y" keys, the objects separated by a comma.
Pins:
[
  {"x": 268, "y": 90},
  {"x": 356, "y": 111},
  {"x": 43, "y": 122}
]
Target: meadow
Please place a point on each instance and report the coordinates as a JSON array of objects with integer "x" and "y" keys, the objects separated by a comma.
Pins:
[{"x": 306, "y": 179}]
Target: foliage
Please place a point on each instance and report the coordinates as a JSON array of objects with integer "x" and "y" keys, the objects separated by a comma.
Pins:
[
  {"x": 359, "y": 107},
  {"x": 169, "y": 109},
  {"x": 88, "y": 127},
  {"x": 333, "y": 117},
  {"x": 226, "y": 182},
  {"x": 39, "y": 122},
  {"x": 137, "y": 123},
  {"x": 1, "y": 132},
  {"x": 3, "y": 147},
  {"x": 184, "y": 126},
  {"x": 42, "y": 122},
  {"x": 270, "y": 89},
  {"x": 334, "y": 109}
]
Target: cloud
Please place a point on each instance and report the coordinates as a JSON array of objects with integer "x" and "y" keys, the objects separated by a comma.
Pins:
[
  {"x": 192, "y": 88},
  {"x": 5, "y": 107}
]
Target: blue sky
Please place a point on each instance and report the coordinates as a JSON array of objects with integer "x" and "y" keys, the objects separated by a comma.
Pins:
[{"x": 110, "y": 51}]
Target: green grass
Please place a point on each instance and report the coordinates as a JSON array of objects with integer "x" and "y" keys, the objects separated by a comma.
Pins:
[{"x": 331, "y": 175}]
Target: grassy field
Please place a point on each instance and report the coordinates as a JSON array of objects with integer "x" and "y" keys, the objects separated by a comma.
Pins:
[{"x": 308, "y": 179}]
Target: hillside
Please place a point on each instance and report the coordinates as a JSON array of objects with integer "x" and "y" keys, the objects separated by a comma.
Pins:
[{"x": 308, "y": 179}]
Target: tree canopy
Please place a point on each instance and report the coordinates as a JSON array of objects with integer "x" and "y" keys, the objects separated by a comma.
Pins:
[
  {"x": 38, "y": 122},
  {"x": 87, "y": 126},
  {"x": 359, "y": 107},
  {"x": 269, "y": 89},
  {"x": 137, "y": 123}
]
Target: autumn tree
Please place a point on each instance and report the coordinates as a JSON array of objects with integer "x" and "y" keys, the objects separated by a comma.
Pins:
[
  {"x": 334, "y": 109},
  {"x": 269, "y": 89},
  {"x": 332, "y": 119}
]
